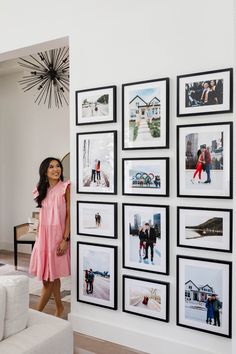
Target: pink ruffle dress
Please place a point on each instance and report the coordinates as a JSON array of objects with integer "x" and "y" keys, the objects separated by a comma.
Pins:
[{"x": 44, "y": 262}]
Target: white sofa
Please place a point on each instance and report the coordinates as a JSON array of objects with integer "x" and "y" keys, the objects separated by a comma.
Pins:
[{"x": 26, "y": 331}]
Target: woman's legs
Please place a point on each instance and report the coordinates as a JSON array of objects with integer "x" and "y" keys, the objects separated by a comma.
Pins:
[
  {"x": 57, "y": 297},
  {"x": 45, "y": 294}
]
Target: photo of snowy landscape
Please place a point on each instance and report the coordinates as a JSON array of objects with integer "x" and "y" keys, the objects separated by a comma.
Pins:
[{"x": 146, "y": 298}]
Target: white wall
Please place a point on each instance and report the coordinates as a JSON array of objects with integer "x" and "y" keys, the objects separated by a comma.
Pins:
[
  {"x": 113, "y": 42},
  {"x": 29, "y": 133}
]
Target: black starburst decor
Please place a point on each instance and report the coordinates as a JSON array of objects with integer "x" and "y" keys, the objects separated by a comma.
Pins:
[{"x": 49, "y": 75}]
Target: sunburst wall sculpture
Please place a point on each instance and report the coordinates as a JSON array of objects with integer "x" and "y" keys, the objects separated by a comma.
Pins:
[{"x": 49, "y": 75}]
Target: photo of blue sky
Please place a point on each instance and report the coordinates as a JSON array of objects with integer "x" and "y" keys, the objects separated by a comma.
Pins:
[{"x": 146, "y": 94}]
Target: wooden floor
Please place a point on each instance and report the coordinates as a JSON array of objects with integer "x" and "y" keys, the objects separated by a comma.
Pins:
[{"x": 82, "y": 344}]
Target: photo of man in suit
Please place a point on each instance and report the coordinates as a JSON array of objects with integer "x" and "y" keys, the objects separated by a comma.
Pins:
[{"x": 150, "y": 241}]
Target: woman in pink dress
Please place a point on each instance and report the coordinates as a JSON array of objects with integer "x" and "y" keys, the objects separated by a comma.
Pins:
[{"x": 50, "y": 259}]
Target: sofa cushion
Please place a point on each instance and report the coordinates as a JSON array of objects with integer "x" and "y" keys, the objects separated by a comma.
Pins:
[
  {"x": 17, "y": 303},
  {"x": 2, "y": 309},
  {"x": 45, "y": 334}
]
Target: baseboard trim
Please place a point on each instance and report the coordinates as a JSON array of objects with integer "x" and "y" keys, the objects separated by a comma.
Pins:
[{"x": 130, "y": 338}]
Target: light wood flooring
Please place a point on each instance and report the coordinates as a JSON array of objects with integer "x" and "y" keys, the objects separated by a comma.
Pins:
[{"x": 82, "y": 344}]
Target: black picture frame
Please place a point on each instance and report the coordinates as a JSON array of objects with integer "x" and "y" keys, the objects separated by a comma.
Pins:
[
  {"x": 107, "y": 206},
  {"x": 112, "y": 106},
  {"x": 151, "y": 106},
  {"x": 193, "y": 99},
  {"x": 111, "y": 186},
  {"x": 84, "y": 296},
  {"x": 185, "y": 298},
  {"x": 222, "y": 186},
  {"x": 148, "y": 188},
  {"x": 132, "y": 259},
  {"x": 195, "y": 241},
  {"x": 156, "y": 285}
]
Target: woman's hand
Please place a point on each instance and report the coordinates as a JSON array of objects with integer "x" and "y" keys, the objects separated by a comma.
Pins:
[{"x": 62, "y": 248}]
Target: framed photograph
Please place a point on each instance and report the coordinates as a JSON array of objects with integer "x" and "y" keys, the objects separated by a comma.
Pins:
[
  {"x": 145, "y": 112},
  {"x": 97, "y": 219},
  {"x": 97, "y": 274},
  {"x": 146, "y": 176},
  {"x": 205, "y": 228},
  {"x": 96, "y": 162},
  {"x": 205, "y": 160},
  {"x": 96, "y": 105},
  {"x": 146, "y": 298},
  {"x": 204, "y": 295},
  {"x": 146, "y": 237},
  {"x": 207, "y": 92}
]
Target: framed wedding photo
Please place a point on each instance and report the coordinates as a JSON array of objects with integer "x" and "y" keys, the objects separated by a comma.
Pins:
[
  {"x": 97, "y": 219},
  {"x": 146, "y": 176},
  {"x": 146, "y": 237},
  {"x": 204, "y": 295},
  {"x": 146, "y": 298},
  {"x": 96, "y": 162},
  {"x": 207, "y": 92},
  {"x": 97, "y": 274},
  {"x": 145, "y": 114},
  {"x": 96, "y": 105},
  {"x": 205, "y": 228},
  {"x": 205, "y": 160}
]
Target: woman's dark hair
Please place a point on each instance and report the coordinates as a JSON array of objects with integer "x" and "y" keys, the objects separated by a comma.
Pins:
[{"x": 43, "y": 184}]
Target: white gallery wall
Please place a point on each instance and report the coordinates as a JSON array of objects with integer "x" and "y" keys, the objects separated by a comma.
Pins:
[
  {"x": 29, "y": 133},
  {"x": 114, "y": 42}
]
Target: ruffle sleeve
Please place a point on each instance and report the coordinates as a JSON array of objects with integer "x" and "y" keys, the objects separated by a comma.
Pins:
[
  {"x": 35, "y": 192},
  {"x": 65, "y": 185}
]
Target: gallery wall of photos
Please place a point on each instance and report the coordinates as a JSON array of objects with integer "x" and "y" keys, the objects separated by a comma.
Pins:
[{"x": 204, "y": 159}]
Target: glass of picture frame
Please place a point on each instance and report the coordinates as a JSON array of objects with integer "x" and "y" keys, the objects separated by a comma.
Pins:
[
  {"x": 97, "y": 274},
  {"x": 205, "y": 228},
  {"x": 205, "y": 93},
  {"x": 96, "y": 105},
  {"x": 204, "y": 160},
  {"x": 146, "y": 237},
  {"x": 145, "y": 297},
  {"x": 145, "y": 114},
  {"x": 146, "y": 176},
  {"x": 204, "y": 295},
  {"x": 97, "y": 162},
  {"x": 97, "y": 219}
]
